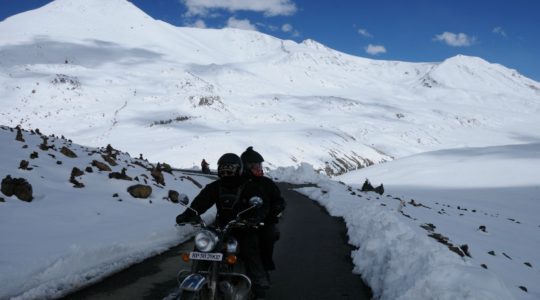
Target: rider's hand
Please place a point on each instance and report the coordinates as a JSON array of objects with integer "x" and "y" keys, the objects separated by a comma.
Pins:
[{"x": 187, "y": 217}]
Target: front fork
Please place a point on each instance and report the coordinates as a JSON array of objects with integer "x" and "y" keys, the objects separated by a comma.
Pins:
[{"x": 197, "y": 279}]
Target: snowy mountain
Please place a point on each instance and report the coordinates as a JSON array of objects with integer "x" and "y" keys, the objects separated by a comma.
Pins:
[
  {"x": 104, "y": 72},
  {"x": 459, "y": 139}
]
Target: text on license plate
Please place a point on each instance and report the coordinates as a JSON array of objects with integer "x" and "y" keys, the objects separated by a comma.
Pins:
[{"x": 205, "y": 256}]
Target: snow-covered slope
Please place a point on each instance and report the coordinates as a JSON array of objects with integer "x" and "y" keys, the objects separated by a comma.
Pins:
[
  {"x": 67, "y": 236},
  {"x": 451, "y": 224},
  {"x": 102, "y": 71}
]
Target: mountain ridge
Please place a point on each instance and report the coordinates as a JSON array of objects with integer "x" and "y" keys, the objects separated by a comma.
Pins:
[{"x": 237, "y": 88}]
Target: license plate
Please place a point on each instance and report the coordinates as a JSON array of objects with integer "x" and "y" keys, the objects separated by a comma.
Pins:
[{"x": 206, "y": 256}]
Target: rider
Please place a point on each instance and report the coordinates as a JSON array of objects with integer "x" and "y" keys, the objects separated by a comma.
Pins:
[
  {"x": 269, "y": 233},
  {"x": 205, "y": 166},
  {"x": 231, "y": 193}
]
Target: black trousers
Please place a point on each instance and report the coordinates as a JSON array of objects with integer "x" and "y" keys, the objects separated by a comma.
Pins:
[
  {"x": 250, "y": 253},
  {"x": 268, "y": 236}
]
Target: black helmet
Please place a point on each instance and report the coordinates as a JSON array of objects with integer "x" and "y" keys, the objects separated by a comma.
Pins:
[{"x": 229, "y": 162}]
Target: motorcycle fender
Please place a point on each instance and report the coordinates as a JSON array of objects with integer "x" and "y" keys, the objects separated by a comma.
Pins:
[{"x": 193, "y": 283}]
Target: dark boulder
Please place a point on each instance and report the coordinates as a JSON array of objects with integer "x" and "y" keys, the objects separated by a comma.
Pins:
[
  {"x": 367, "y": 187},
  {"x": 379, "y": 190},
  {"x": 76, "y": 172},
  {"x": 158, "y": 175},
  {"x": 101, "y": 166},
  {"x": 19, "y": 137},
  {"x": 173, "y": 196},
  {"x": 122, "y": 175},
  {"x": 140, "y": 191},
  {"x": 18, "y": 187},
  {"x": 67, "y": 152},
  {"x": 109, "y": 159},
  {"x": 24, "y": 165}
]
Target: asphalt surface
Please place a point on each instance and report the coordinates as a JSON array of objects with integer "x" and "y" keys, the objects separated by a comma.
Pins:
[{"x": 312, "y": 258}]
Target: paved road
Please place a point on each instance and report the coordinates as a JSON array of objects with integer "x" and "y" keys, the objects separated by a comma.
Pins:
[
  {"x": 313, "y": 257},
  {"x": 313, "y": 262}
]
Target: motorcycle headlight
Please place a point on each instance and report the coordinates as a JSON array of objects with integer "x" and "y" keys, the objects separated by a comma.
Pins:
[
  {"x": 205, "y": 240},
  {"x": 232, "y": 245}
]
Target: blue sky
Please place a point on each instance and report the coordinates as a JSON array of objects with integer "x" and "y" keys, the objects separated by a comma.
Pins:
[{"x": 500, "y": 31}]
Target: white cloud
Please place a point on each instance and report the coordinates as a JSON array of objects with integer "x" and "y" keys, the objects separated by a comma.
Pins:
[
  {"x": 499, "y": 30},
  {"x": 364, "y": 32},
  {"x": 197, "y": 24},
  {"x": 290, "y": 29},
  {"x": 241, "y": 24},
  {"x": 286, "y": 28},
  {"x": 455, "y": 40},
  {"x": 375, "y": 49},
  {"x": 268, "y": 7}
]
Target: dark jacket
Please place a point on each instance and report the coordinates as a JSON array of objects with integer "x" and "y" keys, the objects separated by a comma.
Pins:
[
  {"x": 269, "y": 187},
  {"x": 231, "y": 196}
]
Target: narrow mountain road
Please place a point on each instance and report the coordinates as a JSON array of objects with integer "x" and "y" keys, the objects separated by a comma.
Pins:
[{"x": 312, "y": 258}]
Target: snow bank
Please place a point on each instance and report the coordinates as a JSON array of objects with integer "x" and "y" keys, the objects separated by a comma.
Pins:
[{"x": 394, "y": 259}]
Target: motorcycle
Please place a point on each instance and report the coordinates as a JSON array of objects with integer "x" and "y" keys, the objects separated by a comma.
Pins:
[{"x": 216, "y": 272}]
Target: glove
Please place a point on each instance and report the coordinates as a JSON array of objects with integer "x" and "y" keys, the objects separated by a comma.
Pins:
[{"x": 188, "y": 217}]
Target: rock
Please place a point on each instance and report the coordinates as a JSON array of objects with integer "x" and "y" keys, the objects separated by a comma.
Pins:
[
  {"x": 523, "y": 288},
  {"x": 166, "y": 168},
  {"x": 482, "y": 228},
  {"x": 140, "y": 191},
  {"x": 173, "y": 196},
  {"x": 491, "y": 252},
  {"x": 109, "y": 159},
  {"x": 158, "y": 175},
  {"x": 121, "y": 175},
  {"x": 89, "y": 169},
  {"x": 528, "y": 264},
  {"x": 367, "y": 187},
  {"x": 115, "y": 195},
  {"x": 101, "y": 166},
  {"x": 379, "y": 190},
  {"x": 465, "y": 249},
  {"x": 19, "y": 137},
  {"x": 484, "y": 266},
  {"x": 76, "y": 172},
  {"x": 44, "y": 146},
  {"x": 76, "y": 183},
  {"x": 34, "y": 155},
  {"x": 18, "y": 187},
  {"x": 24, "y": 165},
  {"x": 67, "y": 152},
  {"x": 2, "y": 199}
]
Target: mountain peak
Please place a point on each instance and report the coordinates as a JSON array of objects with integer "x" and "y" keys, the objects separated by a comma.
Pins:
[{"x": 75, "y": 20}]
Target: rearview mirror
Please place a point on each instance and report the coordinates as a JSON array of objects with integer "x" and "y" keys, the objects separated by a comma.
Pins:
[
  {"x": 256, "y": 201},
  {"x": 183, "y": 199}
]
